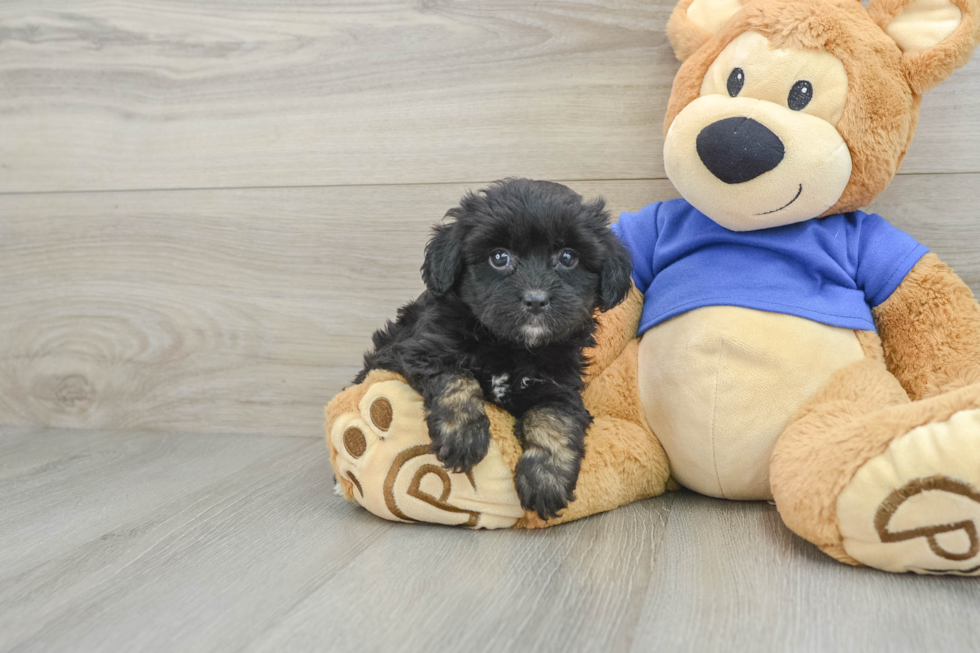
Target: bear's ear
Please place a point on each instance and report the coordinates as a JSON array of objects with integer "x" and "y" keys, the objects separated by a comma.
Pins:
[
  {"x": 694, "y": 21},
  {"x": 936, "y": 36}
]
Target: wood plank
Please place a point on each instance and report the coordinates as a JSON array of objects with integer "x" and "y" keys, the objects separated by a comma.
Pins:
[
  {"x": 23, "y": 450},
  {"x": 211, "y": 569},
  {"x": 261, "y": 555},
  {"x": 245, "y": 311},
  {"x": 731, "y": 576},
  {"x": 165, "y": 94},
  {"x": 100, "y": 480},
  {"x": 573, "y": 588}
]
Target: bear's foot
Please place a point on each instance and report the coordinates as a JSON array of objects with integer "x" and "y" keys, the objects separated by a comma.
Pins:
[
  {"x": 383, "y": 460},
  {"x": 916, "y": 507}
]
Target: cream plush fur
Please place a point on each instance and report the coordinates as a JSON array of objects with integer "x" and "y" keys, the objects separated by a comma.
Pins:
[{"x": 868, "y": 442}]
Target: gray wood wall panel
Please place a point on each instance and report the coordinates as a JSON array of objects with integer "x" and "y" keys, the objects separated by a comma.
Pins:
[
  {"x": 215, "y": 93},
  {"x": 207, "y": 207},
  {"x": 245, "y": 311}
]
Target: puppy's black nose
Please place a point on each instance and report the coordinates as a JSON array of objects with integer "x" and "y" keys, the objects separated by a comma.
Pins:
[
  {"x": 737, "y": 150},
  {"x": 536, "y": 301}
]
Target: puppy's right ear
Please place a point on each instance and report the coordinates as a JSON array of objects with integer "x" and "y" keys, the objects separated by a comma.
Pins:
[{"x": 443, "y": 259}]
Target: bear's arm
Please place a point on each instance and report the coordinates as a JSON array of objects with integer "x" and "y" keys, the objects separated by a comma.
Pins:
[
  {"x": 930, "y": 330},
  {"x": 617, "y": 329}
]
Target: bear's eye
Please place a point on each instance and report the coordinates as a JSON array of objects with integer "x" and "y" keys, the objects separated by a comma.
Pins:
[
  {"x": 567, "y": 258},
  {"x": 736, "y": 81},
  {"x": 499, "y": 259},
  {"x": 800, "y": 95}
]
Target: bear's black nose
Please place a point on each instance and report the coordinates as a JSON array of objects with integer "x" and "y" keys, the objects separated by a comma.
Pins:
[{"x": 737, "y": 150}]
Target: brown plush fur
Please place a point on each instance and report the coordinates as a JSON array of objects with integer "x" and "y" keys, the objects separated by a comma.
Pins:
[
  {"x": 931, "y": 330},
  {"x": 617, "y": 329}
]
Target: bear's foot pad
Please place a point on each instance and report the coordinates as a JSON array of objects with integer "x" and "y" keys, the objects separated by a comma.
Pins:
[
  {"x": 384, "y": 462},
  {"x": 916, "y": 507}
]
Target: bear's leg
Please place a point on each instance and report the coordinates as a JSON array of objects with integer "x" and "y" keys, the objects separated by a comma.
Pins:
[
  {"x": 871, "y": 477},
  {"x": 382, "y": 458}
]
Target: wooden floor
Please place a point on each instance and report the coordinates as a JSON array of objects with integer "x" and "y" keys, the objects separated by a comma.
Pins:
[
  {"x": 163, "y": 542},
  {"x": 206, "y": 206}
]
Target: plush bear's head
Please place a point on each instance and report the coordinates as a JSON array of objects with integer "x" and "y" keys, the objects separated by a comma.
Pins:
[{"x": 785, "y": 110}]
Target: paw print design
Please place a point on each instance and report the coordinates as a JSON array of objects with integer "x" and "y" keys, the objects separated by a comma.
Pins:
[
  {"x": 956, "y": 540},
  {"x": 916, "y": 507},
  {"x": 383, "y": 461}
]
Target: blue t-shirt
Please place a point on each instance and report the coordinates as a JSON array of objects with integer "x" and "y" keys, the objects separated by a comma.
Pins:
[{"x": 831, "y": 270}]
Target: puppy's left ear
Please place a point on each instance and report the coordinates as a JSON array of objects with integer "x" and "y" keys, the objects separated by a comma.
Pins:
[
  {"x": 443, "y": 262},
  {"x": 615, "y": 278}
]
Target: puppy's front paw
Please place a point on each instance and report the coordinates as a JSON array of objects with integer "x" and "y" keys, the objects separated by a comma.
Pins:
[
  {"x": 461, "y": 443},
  {"x": 458, "y": 424},
  {"x": 460, "y": 433},
  {"x": 542, "y": 486},
  {"x": 554, "y": 444}
]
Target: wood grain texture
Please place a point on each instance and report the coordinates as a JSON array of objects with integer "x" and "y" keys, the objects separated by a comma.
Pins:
[
  {"x": 245, "y": 311},
  {"x": 64, "y": 496},
  {"x": 742, "y": 581},
  {"x": 262, "y": 556},
  {"x": 217, "y": 93},
  {"x": 575, "y": 588},
  {"x": 210, "y": 568}
]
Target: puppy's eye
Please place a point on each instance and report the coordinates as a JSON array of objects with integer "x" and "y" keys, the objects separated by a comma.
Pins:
[
  {"x": 499, "y": 259},
  {"x": 736, "y": 81},
  {"x": 800, "y": 95},
  {"x": 567, "y": 258}
]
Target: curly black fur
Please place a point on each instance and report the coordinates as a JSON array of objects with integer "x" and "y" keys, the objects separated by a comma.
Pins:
[{"x": 511, "y": 335}]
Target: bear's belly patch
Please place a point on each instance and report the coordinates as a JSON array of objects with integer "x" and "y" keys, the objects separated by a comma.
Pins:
[{"x": 719, "y": 385}]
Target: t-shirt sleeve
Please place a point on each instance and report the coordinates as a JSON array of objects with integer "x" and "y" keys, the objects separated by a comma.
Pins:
[
  {"x": 886, "y": 255},
  {"x": 639, "y": 231}
]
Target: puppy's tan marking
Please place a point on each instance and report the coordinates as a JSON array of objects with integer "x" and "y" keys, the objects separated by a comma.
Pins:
[
  {"x": 459, "y": 392},
  {"x": 458, "y": 424},
  {"x": 460, "y": 403},
  {"x": 547, "y": 433}
]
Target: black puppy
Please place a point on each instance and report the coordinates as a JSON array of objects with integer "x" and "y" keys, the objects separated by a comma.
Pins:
[{"x": 513, "y": 286}]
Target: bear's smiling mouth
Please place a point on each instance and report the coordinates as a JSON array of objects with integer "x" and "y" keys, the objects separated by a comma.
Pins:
[{"x": 798, "y": 193}]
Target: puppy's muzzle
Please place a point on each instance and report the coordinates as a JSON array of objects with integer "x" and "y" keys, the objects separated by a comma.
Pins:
[{"x": 536, "y": 301}]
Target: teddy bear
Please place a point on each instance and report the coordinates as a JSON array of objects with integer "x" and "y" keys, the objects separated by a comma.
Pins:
[{"x": 778, "y": 344}]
